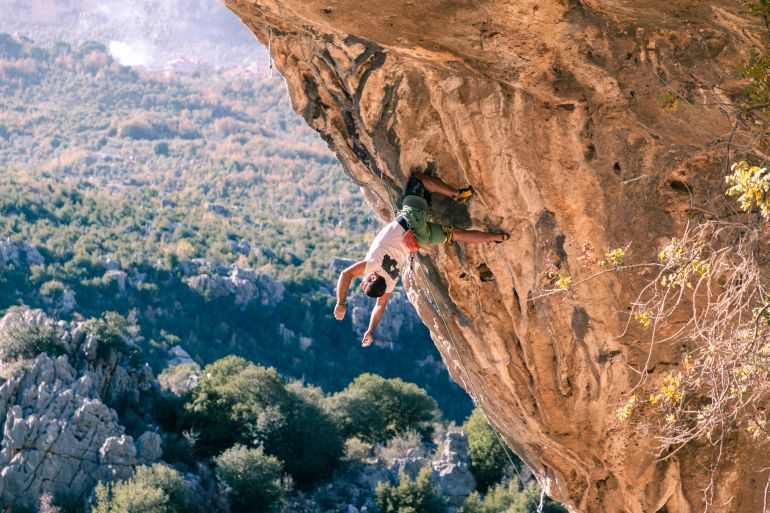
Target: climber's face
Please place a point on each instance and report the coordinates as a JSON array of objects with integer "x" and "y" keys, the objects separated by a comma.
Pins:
[
  {"x": 368, "y": 281},
  {"x": 373, "y": 285}
]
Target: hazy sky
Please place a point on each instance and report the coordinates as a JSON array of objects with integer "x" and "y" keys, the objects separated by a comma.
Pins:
[{"x": 147, "y": 32}]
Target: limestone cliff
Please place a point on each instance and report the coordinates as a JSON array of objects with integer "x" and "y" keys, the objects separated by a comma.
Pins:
[
  {"x": 60, "y": 430},
  {"x": 576, "y": 121}
]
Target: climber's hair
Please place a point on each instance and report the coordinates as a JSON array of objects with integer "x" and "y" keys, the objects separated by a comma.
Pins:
[{"x": 375, "y": 288}]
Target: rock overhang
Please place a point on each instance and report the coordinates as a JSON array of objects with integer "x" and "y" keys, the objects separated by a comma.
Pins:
[{"x": 560, "y": 114}]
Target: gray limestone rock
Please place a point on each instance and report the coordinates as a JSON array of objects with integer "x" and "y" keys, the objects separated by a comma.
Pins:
[
  {"x": 58, "y": 433},
  {"x": 371, "y": 475},
  {"x": 401, "y": 316},
  {"x": 116, "y": 276},
  {"x": 148, "y": 447},
  {"x": 410, "y": 464},
  {"x": 451, "y": 468}
]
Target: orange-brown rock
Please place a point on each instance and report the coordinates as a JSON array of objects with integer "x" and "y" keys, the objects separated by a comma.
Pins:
[{"x": 598, "y": 121}]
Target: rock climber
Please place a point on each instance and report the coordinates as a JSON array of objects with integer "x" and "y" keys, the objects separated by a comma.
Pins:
[{"x": 409, "y": 231}]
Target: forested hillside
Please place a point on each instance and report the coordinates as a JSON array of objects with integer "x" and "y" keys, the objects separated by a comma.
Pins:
[{"x": 200, "y": 208}]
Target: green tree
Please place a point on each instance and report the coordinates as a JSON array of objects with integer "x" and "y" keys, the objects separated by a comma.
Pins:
[
  {"x": 253, "y": 477},
  {"x": 375, "y": 409},
  {"x": 156, "y": 489},
  {"x": 239, "y": 402},
  {"x": 418, "y": 496},
  {"x": 487, "y": 452}
]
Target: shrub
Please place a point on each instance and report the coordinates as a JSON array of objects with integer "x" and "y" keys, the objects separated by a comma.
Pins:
[
  {"x": 46, "y": 504},
  {"x": 110, "y": 332},
  {"x": 161, "y": 148},
  {"x": 52, "y": 289},
  {"x": 421, "y": 495},
  {"x": 21, "y": 338},
  {"x": 511, "y": 498},
  {"x": 408, "y": 443},
  {"x": 488, "y": 455},
  {"x": 253, "y": 477},
  {"x": 375, "y": 409},
  {"x": 142, "y": 128},
  {"x": 179, "y": 379},
  {"x": 156, "y": 489}
]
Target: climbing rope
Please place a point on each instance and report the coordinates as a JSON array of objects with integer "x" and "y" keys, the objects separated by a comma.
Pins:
[
  {"x": 270, "y": 52},
  {"x": 474, "y": 392}
]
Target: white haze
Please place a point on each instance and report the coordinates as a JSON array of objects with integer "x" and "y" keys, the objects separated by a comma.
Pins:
[{"x": 138, "y": 32}]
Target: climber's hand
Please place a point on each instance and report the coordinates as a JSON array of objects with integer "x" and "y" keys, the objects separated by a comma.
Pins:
[
  {"x": 339, "y": 311},
  {"x": 367, "y": 340}
]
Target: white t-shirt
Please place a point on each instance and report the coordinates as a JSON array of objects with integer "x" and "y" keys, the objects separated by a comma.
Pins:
[{"x": 387, "y": 255}]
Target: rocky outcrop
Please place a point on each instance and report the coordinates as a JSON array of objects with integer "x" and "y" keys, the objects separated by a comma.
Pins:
[
  {"x": 353, "y": 491},
  {"x": 60, "y": 430},
  {"x": 575, "y": 121},
  {"x": 244, "y": 285},
  {"x": 19, "y": 254},
  {"x": 452, "y": 468},
  {"x": 401, "y": 317}
]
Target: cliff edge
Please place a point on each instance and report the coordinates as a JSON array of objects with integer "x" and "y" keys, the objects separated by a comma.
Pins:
[{"x": 577, "y": 122}]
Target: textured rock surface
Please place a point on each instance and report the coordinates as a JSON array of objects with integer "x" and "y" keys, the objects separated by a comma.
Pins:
[
  {"x": 552, "y": 109},
  {"x": 451, "y": 468},
  {"x": 244, "y": 284},
  {"x": 401, "y": 317},
  {"x": 60, "y": 433}
]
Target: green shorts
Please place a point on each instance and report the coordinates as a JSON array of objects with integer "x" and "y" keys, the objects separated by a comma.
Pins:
[
  {"x": 425, "y": 232},
  {"x": 415, "y": 209}
]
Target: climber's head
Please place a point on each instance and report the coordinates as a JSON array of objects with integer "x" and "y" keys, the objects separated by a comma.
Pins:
[{"x": 374, "y": 285}]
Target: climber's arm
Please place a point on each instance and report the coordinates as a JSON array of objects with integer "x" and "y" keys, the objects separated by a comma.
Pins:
[
  {"x": 377, "y": 312},
  {"x": 343, "y": 284}
]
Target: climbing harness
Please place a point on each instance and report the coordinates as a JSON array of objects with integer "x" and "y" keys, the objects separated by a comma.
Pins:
[
  {"x": 474, "y": 392},
  {"x": 409, "y": 238},
  {"x": 270, "y": 52}
]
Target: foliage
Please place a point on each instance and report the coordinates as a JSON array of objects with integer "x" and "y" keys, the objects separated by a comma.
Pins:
[
  {"x": 752, "y": 186},
  {"x": 376, "y": 409},
  {"x": 239, "y": 402},
  {"x": 711, "y": 289},
  {"x": 489, "y": 457},
  {"x": 418, "y": 496},
  {"x": 47, "y": 504},
  {"x": 110, "y": 332},
  {"x": 253, "y": 477},
  {"x": 27, "y": 340},
  {"x": 757, "y": 68},
  {"x": 177, "y": 378},
  {"x": 233, "y": 397},
  {"x": 155, "y": 489},
  {"x": 511, "y": 498},
  {"x": 407, "y": 444}
]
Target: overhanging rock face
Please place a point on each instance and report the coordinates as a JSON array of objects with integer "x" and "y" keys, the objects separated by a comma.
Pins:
[{"x": 598, "y": 121}]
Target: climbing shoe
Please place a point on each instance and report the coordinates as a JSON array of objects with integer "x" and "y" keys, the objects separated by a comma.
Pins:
[
  {"x": 503, "y": 236},
  {"x": 464, "y": 194}
]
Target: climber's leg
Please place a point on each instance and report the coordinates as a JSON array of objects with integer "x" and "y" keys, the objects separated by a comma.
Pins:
[
  {"x": 433, "y": 184},
  {"x": 477, "y": 237}
]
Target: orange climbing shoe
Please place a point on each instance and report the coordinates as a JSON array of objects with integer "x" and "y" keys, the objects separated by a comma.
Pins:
[
  {"x": 464, "y": 195},
  {"x": 504, "y": 236}
]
